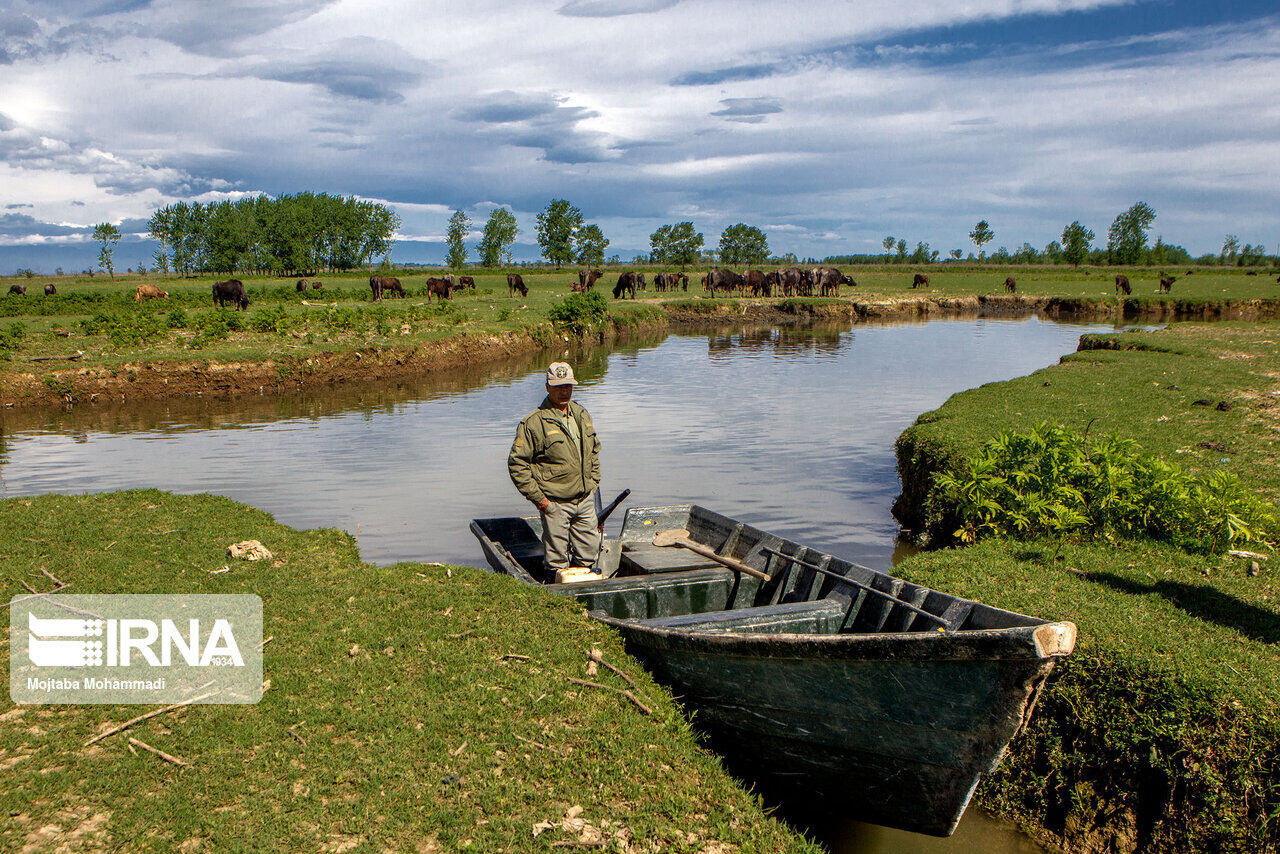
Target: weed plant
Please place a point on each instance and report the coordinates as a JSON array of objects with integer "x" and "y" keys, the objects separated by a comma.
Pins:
[
  {"x": 580, "y": 313},
  {"x": 1050, "y": 481}
]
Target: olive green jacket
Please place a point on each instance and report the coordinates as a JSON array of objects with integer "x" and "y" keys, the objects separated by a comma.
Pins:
[{"x": 544, "y": 463}]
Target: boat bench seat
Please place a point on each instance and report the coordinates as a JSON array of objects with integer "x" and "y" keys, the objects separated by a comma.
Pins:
[
  {"x": 662, "y": 595},
  {"x": 650, "y": 558},
  {"x": 820, "y": 617}
]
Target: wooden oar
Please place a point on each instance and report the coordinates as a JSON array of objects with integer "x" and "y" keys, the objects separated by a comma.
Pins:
[{"x": 680, "y": 537}]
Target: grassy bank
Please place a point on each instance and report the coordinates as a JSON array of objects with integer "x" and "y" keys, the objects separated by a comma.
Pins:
[
  {"x": 1160, "y": 733},
  {"x": 409, "y": 708},
  {"x": 289, "y": 338}
]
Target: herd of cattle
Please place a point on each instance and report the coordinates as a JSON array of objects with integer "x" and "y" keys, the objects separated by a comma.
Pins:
[{"x": 787, "y": 282}]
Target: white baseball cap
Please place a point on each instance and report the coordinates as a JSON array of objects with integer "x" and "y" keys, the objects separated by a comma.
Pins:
[{"x": 560, "y": 374}]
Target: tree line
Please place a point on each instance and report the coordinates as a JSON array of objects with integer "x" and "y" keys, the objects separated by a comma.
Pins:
[{"x": 302, "y": 233}]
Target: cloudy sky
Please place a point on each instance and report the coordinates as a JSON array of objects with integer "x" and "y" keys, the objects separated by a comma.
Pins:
[{"x": 827, "y": 124}]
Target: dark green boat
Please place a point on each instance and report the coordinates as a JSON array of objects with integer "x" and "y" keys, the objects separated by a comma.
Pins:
[{"x": 883, "y": 698}]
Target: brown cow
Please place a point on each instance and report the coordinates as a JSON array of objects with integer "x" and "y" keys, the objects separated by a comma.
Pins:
[
  {"x": 661, "y": 281},
  {"x": 725, "y": 280},
  {"x": 317, "y": 285},
  {"x": 50, "y": 290},
  {"x": 754, "y": 279},
  {"x": 381, "y": 285},
  {"x": 587, "y": 279},
  {"x": 300, "y": 286},
  {"x": 516, "y": 283},
  {"x": 789, "y": 277},
  {"x": 920, "y": 279},
  {"x": 20, "y": 290},
  {"x": 1010, "y": 285},
  {"x": 772, "y": 283},
  {"x": 1122, "y": 285},
  {"x": 451, "y": 279},
  {"x": 466, "y": 282},
  {"x": 1166, "y": 284},
  {"x": 640, "y": 282},
  {"x": 829, "y": 281},
  {"x": 442, "y": 288},
  {"x": 149, "y": 292},
  {"x": 681, "y": 278}
]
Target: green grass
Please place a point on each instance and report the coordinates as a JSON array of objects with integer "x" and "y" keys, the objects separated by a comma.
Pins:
[
  {"x": 55, "y": 324},
  {"x": 1162, "y": 728},
  {"x": 383, "y": 674}
]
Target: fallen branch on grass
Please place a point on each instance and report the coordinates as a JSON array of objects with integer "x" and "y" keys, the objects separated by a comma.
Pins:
[
  {"x": 599, "y": 659},
  {"x": 632, "y": 697},
  {"x": 537, "y": 744},
  {"x": 124, "y": 726},
  {"x": 165, "y": 756}
]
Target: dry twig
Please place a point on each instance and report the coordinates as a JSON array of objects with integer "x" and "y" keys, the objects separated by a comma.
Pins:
[
  {"x": 151, "y": 714},
  {"x": 632, "y": 697},
  {"x": 165, "y": 756},
  {"x": 458, "y": 751},
  {"x": 599, "y": 659}
]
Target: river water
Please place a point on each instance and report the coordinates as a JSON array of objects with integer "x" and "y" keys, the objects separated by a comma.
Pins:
[{"x": 790, "y": 429}]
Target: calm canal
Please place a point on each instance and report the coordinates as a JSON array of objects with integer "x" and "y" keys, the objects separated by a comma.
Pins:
[{"x": 790, "y": 429}]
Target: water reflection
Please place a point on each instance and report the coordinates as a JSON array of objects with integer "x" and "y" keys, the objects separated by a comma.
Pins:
[{"x": 788, "y": 428}]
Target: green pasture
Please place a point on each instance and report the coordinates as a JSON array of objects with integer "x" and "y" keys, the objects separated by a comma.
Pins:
[
  {"x": 99, "y": 316},
  {"x": 415, "y": 707},
  {"x": 1165, "y": 717}
]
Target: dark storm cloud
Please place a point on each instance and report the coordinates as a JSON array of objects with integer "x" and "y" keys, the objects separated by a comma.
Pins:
[
  {"x": 22, "y": 37},
  {"x": 538, "y": 120},
  {"x": 15, "y": 25},
  {"x": 613, "y": 8},
  {"x": 214, "y": 28},
  {"x": 17, "y": 205},
  {"x": 752, "y": 110},
  {"x": 729, "y": 74},
  {"x": 363, "y": 69},
  {"x": 22, "y": 225}
]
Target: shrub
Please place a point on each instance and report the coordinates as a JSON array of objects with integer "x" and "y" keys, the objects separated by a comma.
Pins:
[
  {"x": 177, "y": 319},
  {"x": 1053, "y": 482},
  {"x": 270, "y": 319},
  {"x": 580, "y": 313},
  {"x": 11, "y": 338}
]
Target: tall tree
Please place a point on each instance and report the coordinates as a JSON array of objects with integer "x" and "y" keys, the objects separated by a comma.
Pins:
[
  {"x": 459, "y": 225},
  {"x": 499, "y": 233},
  {"x": 1075, "y": 243},
  {"x": 981, "y": 235},
  {"x": 676, "y": 244},
  {"x": 743, "y": 244},
  {"x": 110, "y": 236},
  {"x": 1230, "y": 247},
  {"x": 558, "y": 225},
  {"x": 901, "y": 249},
  {"x": 957, "y": 254},
  {"x": 922, "y": 255},
  {"x": 590, "y": 243},
  {"x": 1127, "y": 237},
  {"x": 888, "y": 243}
]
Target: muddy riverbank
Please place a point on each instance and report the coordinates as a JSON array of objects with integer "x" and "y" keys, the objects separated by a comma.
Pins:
[{"x": 42, "y": 383}]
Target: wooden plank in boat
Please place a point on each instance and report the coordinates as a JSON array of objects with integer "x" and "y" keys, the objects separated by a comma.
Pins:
[
  {"x": 820, "y": 617},
  {"x": 654, "y": 559}
]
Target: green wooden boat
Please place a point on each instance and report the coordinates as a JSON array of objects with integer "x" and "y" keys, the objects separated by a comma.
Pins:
[{"x": 885, "y": 700}]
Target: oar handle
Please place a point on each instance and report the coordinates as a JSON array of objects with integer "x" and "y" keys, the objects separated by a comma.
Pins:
[{"x": 672, "y": 539}]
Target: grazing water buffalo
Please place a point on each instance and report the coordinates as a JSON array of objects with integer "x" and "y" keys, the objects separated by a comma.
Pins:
[
  {"x": 725, "y": 280},
  {"x": 1166, "y": 284},
  {"x": 20, "y": 290},
  {"x": 920, "y": 279},
  {"x": 442, "y": 288},
  {"x": 587, "y": 279},
  {"x": 382, "y": 285},
  {"x": 317, "y": 285},
  {"x": 148, "y": 292},
  {"x": 789, "y": 277},
  {"x": 754, "y": 279},
  {"x": 466, "y": 282},
  {"x": 829, "y": 281},
  {"x": 1010, "y": 285},
  {"x": 1122, "y": 285},
  {"x": 50, "y": 290},
  {"x": 681, "y": 278},
  {"x": 640, "y": 282},
  {"x": 626, "y": 285},
  {"x": 230, "y": 291},
  {"x": 300, "y": 286},
  {"x": 516, "y": 283}
]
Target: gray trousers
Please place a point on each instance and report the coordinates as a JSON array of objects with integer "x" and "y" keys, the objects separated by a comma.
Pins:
[{"x": 570, "y": 533}]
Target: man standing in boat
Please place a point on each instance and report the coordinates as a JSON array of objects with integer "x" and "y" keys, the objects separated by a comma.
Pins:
[{"x": 555, "y": 463}]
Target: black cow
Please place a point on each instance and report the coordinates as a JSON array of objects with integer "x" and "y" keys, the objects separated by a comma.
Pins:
[
  {"x": 301, "y": 286},
  {"x": 230, "y": 291},
  {"x": 466, "y": 282},
  {"x": 830, "y": 279},
  {"x": 920, "y": 279},
  {"x": 516, "y": 283},
  {"x": 789, "y": 279},
  {"x": 20, "y": 290},
  {"x": 1010, "y": 285},
  {"x": 50, "y": 290},
  {"x": 754, "y": 279},
  {"x": 587, "y": 279},
  {"x": 1166, "y": 284},
  {"x": 1122, "y": 285},
  {"x": 724, "y": 280},
  {"x": 626, "y": 285},
  {"x": 679, "y": 278}
]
